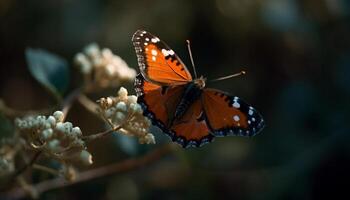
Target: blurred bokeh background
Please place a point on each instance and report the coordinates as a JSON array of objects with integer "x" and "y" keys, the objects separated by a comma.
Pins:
[{"x": 297, "y": 57}]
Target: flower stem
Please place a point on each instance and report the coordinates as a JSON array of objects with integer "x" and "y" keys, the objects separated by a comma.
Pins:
[{"x": 100, "y": 135}]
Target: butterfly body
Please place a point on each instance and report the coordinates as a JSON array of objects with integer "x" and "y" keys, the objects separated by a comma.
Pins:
[
  {"x": 182, "y": 107},
  {"x": 192, "y": 93}
]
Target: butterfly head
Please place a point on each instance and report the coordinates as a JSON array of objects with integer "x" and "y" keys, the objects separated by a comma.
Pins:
[{"x": 200, "y": 82}]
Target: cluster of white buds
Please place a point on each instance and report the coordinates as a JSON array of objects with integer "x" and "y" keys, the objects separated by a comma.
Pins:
[
  {"x": 54, "y": 137},
  {"x": 102, "y": 67},
  {"x": 8, "y": 150},
  {"x": 124, "y": 112}
]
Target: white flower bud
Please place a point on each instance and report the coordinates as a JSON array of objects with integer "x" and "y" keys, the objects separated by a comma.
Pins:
[
  {"x": 47, "y": 134},
  {"x": 51, "y": 120},
  {"x": 107, "y": 53},
  {"x": 40, "y": 121},
  {"x": 68, "y": 126},
  {"x": 60, "y": 127},
  {"x": 110, "y": 112},
  {"x": 59, "y": 116},
  {"x": 119, "y": 116},
  {"x": 111, "y": 70},
  {"x": 77, "y": 132},
  {"x": 138, "y": 109},
  {"x": 132, "y": 99},
  {"x": 86, "y": 157},
  {"x": 54, "y": 145},
  {"x": 92, "y": 50},
  {"x": 121, "y": 106},
  {"x": 149, "y": 139},
  {"x": 123, "y": 93}
]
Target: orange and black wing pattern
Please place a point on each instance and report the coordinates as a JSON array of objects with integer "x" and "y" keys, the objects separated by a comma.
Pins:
[
  {"x": 158, "y": 63},
  {"x": 192, "y": 130},
  {"x": 229, "y": 115},
  {"x": 158, "y": 102},
  {"x": 159, "y": 105}
]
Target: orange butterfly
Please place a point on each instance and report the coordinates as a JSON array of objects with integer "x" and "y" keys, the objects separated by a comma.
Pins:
[{"x": 181, "y": 107}]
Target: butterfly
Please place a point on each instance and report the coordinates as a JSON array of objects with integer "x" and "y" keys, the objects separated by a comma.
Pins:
[{"x": 182, "y": 107}]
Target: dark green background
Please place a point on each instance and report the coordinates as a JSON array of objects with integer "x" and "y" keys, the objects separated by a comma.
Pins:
[{"x": 297, "y": 57}]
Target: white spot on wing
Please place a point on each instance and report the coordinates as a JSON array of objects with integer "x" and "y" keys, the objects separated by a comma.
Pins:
[
  {"x": 165, "y": 52},
  {"x": 250, "y": 112},
  {"x": 145, "y": 43},
  {"x": 153, "y": 58},
  {"x": 236, "y": 104},
  {"x": 147, "y": 39},
  {"x": 171, "y": 52},
  {"x": 236, "y": 118},
  {"x": 154, "y": 52}
]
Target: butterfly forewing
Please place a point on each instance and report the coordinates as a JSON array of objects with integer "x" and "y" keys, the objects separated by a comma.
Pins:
[
  {"x": 158, "y": 63},
  {"x": 229, "y": 115}
]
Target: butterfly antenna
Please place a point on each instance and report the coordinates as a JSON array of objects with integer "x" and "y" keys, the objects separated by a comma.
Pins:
[
  {"x": 229, "y": 76},
  {"x": 189, "y": 52}
]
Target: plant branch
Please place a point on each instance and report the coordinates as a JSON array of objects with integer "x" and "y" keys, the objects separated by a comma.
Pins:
[
  {"x": 26, "y": 166},
  {"x": 89, "y": 138},
  {"x": 69, "y": 100},
  {"x": 123, "y": 166}
]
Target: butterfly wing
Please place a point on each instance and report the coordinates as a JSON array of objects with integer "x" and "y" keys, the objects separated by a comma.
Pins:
[
  {"x": 229, "y": 115},
  {"x": 158, "y": 102},
  {"x": 158, "y": 63},
  {"x": 191, "y": 130}
]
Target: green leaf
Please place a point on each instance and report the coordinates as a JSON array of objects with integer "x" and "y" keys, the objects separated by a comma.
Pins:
[{"x": 49, "y": 69}]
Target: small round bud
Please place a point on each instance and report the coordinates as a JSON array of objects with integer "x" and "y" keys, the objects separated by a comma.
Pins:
[
  {"x": 77, "y": 132},
  {"x": 54, "y": 145},
  {"x": 150, "y": 139},
  {"x": 132, "y": 99},
  {"x": 121, "y": 106},
  {"x": 109, "y": 112},
  {"x": 119, "y": 116},
  {"x": 60, "y": 127},
  {"x": 47, "y": 134},
  {"x": 123, "y": 93},
  {"x": 51, "y": 120},
  {"x": 59, "y": 116},
  {"x": 111, "y": 70},
  {"x": 107, "y": 53},
  {"x": 68, "y": 126},
  {"x": 92, "y": 50},
  {"x": 138, "y": 109},
  {"x": 85, "y": 157}
]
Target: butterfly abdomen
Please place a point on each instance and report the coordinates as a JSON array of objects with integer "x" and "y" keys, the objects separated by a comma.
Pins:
[{"x": 191, "y": 94}]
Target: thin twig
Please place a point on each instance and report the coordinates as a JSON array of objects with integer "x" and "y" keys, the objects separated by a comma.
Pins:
[
  {"x": 26, "y": 166},
  {"x": 89, "y": 138},
  {"x": 45, "y": 169},
  {"x": 124, "y": 166},
  {"x": 69, "y": 100},
  {"x": 88, "y": 104}
]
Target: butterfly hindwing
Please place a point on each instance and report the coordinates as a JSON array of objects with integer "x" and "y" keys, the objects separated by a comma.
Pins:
[
  {"x": 229, "y": 115},
  {"x": 191, "y": 130},
  {"x": 158, "y": 63},
  {"x": 158, "y": 102}
]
